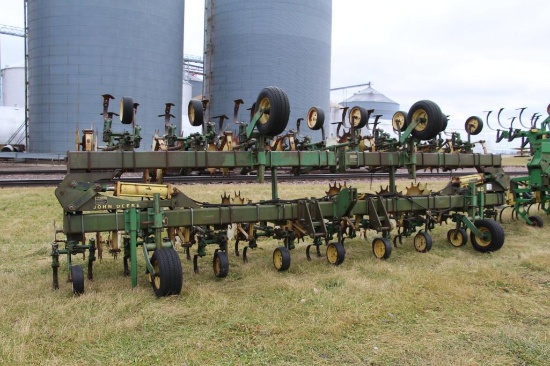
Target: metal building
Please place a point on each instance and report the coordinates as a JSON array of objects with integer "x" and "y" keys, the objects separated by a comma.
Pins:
[
  {"x": 79, "y": 50},
  {"x": 373, "y": 99},
  {"x": 251, "y": 44}
]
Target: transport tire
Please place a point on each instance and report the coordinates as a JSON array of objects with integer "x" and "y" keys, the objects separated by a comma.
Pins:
[
  {"x": 430, "y": 119},
  {"x": 168, "y": 277},
  {"x": 274, "y": 101},
  {"x": 493, "y": 231}
]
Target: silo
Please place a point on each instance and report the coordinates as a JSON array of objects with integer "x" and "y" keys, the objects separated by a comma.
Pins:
[
  {"x": 13, "y": 86},
  {"x": 251, "y": 44},
  {"x": 370, "y": 98},
  {"x": 79, "y": 50}
]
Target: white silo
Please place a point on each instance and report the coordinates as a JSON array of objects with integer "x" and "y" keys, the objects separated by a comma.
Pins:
[{"x": 13, "y": 85}]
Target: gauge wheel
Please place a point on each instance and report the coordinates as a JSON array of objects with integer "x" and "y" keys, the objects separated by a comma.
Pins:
[
  {"x": 399, "y": 121},
  {"x": 168, "y": 277},
  {"x": 457, "y": 237},
  {"x": 276, "y": 111},
  {"x": 77, "y": 276},
  {"x": 195, "y": 112},
  {"x": 537, "y": 221},
  {"x": 126, "y": 110},
  {"x": 422, "y": 242},
  {"x": 336, "y": 253},
  {"x": 429, "y": 118},
  {"x": 315, "y": 118},
  {"x": 281, "y": 259},
  {"x": 548, "y": 109},
  {"x": 493, "y": 236},
  {"x": 220, "y": 264},
  {"x": 358, "y": 117},
  {"x": 473, "y": 125},
  {"x": 381, "y": 248}
]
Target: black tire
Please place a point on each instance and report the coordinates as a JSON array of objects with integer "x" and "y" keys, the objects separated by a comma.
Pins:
[
  {"x": 168, "y": 278},
  {"x": 399, "y": 121},
  {"x": 495, "y": 236},
  {"x": 336, "y": 253},
  {"x": 195, "y": 112},
  {"x": 77, "y": 275},
  {"x": 430, "y": 117},
  {"x": 537, "y": 221},
  {"x": 381, "y": 248},
  {"x": 473, "y": 125},
  {"x": 457, "y": 238},
  {"x": 277, "y": 111},
  {"x": 281, "y": 259},
  {"x": 220, "y": 264},
  {"x": 315, "y": 118},
  {"x": 422, "y": 242},
  {"x": 126, "y": 110},
  {"x": 358, "y": 117}
]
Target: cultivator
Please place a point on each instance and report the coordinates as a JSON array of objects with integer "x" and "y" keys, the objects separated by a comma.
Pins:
[{"x": 158, "y": 218}]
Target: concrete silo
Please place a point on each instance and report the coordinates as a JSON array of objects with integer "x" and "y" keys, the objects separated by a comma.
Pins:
[
  {"x": 79, "y": 50},
  {"x": 251, "y": 44}
]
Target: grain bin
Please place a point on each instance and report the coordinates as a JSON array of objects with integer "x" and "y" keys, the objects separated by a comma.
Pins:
[
  {"x": 79, "y": 50},
  {"x": 251, "y": 44}
]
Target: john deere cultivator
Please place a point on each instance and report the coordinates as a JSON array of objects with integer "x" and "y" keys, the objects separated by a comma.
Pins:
[{"x": 155, "y": 219}]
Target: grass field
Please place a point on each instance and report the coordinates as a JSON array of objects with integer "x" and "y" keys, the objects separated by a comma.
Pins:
[{"x": 450, "y": 306}]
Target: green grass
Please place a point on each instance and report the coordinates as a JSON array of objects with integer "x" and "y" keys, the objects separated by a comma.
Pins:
[{"x": 449, "y": 306}]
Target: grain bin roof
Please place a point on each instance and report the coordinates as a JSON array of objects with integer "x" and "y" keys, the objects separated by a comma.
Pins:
[{"x": 369, "y": 95}]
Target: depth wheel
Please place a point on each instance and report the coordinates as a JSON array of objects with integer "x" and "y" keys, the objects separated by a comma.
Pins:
[
  {"x": 315, "y": 118},
  {"x": 276, "y": 111},
  {"x": 458, "y": 237},
  {"x": 195, "y": 112},
  {"x": 220, "y": 264},
  {"x": 168, "y": 277},
  {"x": 381, "y": 248},
  {"x": 537, "y": 221},
  {"x": 77, "y": 275},
  {"x": 429, "y": 118},
  {"x": 358, "y": 117},
  {"x": 281, "y": 259},
  {"x": 399, "y": 121},
  {"x": 493, "y": 236},
  {"x": 126, "y": 112},
  {"x": 422, "y": 242},
  {"x": 473, "y": 125},
  {"x": 336, "y": 253}
]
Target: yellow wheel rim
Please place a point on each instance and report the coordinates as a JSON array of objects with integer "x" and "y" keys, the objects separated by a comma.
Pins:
[
  {"x": 278, "y": 259},
  {"x": 191, "y": 113},
  {"x": 484, "y": 242},
  {"x": 265, "y": 105},
  {"x": 472, "y": 124},
  {"x": 457, "y": 242},
  {"x": 422, "y": 117},
  {"x": 379, "y": 248},
  {"x": 332, "y": 254},
  {"x": 156, "y": 279},
  {"x": 355, "y": 116},
  {"x": 420, "y": 242},
  {"x": 312, "y": 118},
  {"x": 398, "y": 121}
]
